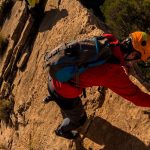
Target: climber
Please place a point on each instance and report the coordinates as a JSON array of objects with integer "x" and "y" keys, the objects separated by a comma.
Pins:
[
  {"x": 95, "y": 6},
  {"x": 111, "y": 75}
]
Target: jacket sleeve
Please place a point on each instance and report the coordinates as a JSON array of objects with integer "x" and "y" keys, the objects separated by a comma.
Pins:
[{"x": 116, "y": 49}]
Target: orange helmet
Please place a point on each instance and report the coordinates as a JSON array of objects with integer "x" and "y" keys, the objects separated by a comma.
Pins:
[{"x": 141, "y": 43}]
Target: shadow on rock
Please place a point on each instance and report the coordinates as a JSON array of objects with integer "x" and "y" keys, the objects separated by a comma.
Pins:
[
  {"x": 103, "y": 133},
  {"x": 51, "y": 18}
]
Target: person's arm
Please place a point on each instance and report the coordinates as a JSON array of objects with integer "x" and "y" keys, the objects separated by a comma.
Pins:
[
  {"x": 118, "y": 53},
  {"x": 116, "y": 48},
  {"x": 111, "y": 38}
]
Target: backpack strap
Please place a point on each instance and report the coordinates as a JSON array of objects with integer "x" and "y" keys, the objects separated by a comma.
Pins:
[
  {"x": 96, "y": 39},
  {"x": 97, "y": 45}
]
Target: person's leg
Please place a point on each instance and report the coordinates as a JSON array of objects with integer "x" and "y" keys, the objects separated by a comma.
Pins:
[
  {"x": 131, "y": 92},
  {"x": 108, "y": 75},
  {"x": 111, "y": 76},
  {"x": 74, "y": 117},
  {"x": 114, "y": 77},
  {"x": 72, "y": 108}
]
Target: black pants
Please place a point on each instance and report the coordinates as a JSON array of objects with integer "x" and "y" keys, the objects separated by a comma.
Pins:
[{"x": 71, "y": 108}]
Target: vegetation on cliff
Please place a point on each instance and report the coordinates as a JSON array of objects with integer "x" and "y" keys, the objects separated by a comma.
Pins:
[{"x": 124, "y": 16}]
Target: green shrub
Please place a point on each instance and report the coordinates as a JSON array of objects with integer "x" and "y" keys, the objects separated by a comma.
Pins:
[
  {"x": 145, "y": 69},
  {"x": 6, "y": 108},
  {"x": 124, "y": 16},
  {"x": 3, "y": 44}
]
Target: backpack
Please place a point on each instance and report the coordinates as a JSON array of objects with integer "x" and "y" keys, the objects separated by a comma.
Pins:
[{"x": 68, "y": 60}]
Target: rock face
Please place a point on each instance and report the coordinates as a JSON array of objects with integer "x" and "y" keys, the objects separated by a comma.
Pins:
[{"x": 113, "y": 124}]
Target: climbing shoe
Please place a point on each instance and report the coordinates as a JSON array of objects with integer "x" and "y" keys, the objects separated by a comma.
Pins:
[
  {"x": 47, "y": 99},
  {"x": 68, "y": 134}
]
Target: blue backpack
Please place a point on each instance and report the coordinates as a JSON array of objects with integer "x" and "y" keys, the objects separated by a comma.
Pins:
[{"x": 68, "y": 60}]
